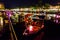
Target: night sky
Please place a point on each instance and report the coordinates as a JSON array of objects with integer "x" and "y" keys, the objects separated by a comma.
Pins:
[{"x": 21, "y": 3}]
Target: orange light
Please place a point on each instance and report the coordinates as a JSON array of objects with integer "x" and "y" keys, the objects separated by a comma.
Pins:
[{"x": 0, "y": 5}]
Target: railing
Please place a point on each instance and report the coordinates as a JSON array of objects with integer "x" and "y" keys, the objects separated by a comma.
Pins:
[
  {"x": 13, "y": 34},
  {"x": 12, "y": 31}
]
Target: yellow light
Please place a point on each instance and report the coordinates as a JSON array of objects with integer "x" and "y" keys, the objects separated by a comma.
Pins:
[
  {"x": 1, "y": 21},
  {"x": 0, "y": 5},
  {"x": 22, "y": 9}
]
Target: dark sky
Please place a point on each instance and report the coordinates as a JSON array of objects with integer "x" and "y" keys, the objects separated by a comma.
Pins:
[{"x": 17, "y": 3}]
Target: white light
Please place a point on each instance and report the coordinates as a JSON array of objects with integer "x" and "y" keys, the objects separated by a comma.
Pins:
[
  {"x": 54, "y": 15},
  {"x": 49, "y": 17},
  {"x": 21, "y": 9},
  {"x": 30, "y": 28},
  {"x": 14, "y": 12},
  {"x": 26, "y": 9},
  {"x": 15, "y": 9}
]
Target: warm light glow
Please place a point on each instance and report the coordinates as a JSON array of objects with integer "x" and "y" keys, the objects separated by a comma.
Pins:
[
  {"x": 0, "y": 5},
  {"x": 16, "y": 9},
  {"x": 30, "y": 28},
  {"x": 21, "y": 9},
  {"x": 1, "y": 21},
  {"x": 52, "y": 7},
  {"x": 25, "y": 9},
  {"x": 37, "y": 9}
]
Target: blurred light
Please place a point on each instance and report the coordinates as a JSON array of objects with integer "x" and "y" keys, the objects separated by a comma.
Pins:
[
  {"x": 49, "y": 17},
  {"x": 34, "y": 10},
  {"x": 14, "y": 12},
  {"x": 42, "y": 26},
  {"x": 30, "y": 28},
  {"x": 1, "y": 21},
  {"x": 10, "y": 15},
  {"x": 21, "y": 9},
  {"x": 57, "y": 16},
  {"x": 25, "y": 9},
  {"x": 37, "y": 9},
  {"x": 56, "y": 21},
  {"x": 0, "y": 5},
  {"x": 54, "y": 15},
  {"x": 15, "y": 9},
  {"x": 52, "y": 7}
]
